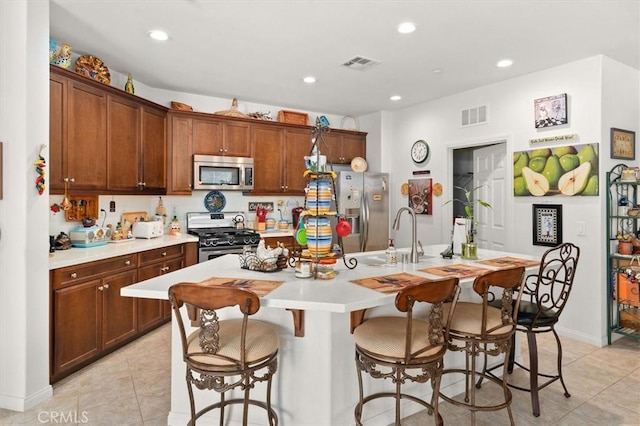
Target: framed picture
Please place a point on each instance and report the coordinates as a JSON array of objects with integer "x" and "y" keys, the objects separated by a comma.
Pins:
[
  {"x": 623, "y": 144},
  {"x": 420, "y": 196},
  {"x": 547, "y": 224},
  {"x": 550, "y": 111}
]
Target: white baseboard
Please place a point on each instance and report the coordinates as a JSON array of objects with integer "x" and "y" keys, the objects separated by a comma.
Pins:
[{"x": 13, "y": 403}]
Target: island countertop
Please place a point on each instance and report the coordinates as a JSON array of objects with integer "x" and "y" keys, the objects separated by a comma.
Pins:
[{"x": 339, "y": 294}]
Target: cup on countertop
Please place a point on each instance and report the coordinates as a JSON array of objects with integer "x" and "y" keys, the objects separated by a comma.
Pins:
[{"x": 270, "y": 224}]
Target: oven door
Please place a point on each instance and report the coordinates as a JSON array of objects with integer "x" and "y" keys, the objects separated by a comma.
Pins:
[{"x": 208, "y": 253}]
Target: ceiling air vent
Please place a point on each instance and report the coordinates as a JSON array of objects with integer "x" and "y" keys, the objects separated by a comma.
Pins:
[
  {"x": 474, "y": 116},
  {"x": 360, "y": 63}
]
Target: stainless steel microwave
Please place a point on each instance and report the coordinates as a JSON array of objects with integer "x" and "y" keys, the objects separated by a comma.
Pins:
[{"x": 222, "y": 173}]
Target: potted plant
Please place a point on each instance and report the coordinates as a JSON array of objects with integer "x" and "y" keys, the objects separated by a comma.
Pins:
[
  {"x": 469, "y": 247},
  {"x": 625, "y": 243}
]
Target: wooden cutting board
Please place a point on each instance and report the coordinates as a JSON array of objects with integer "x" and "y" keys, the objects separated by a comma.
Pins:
[{"x": 129, "y": 218}]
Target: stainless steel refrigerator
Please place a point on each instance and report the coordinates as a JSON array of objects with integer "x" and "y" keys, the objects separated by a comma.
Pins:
[{"x": 364, "y": 199}]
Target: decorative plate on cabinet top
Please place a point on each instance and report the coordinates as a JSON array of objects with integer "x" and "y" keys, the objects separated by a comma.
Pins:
[
  {"x": 214, "y": 201},
  {"x": 94, "y": 68},
  {"x": 358, "y": 164}
]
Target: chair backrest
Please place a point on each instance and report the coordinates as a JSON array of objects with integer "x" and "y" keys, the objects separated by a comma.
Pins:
[
  {"x": 550, "y": 288},
  {"x": 436, "y": 293},
  {"x": 509, "y": 280},
  {"x": 202, "y": 301}
]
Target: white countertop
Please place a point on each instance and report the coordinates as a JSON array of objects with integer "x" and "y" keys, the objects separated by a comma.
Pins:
[
  {"x": 277, "y": 233},
  {"x": 77, "y": 255},
  {"x": 334, "y": 295}
]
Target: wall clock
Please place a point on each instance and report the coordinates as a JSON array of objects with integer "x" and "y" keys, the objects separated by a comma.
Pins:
[{"x": 420, "y": 151}]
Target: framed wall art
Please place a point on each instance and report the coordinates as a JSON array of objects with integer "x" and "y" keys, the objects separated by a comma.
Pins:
[
  {"x": 623, "y": 144},
  {"x": 420, "y": 196},
  {"x": 547, "y": 224},
  {"x": 550, "y": 111}
]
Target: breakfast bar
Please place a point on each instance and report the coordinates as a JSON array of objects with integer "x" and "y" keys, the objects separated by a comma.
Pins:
[{"x": 316, "y": 382}]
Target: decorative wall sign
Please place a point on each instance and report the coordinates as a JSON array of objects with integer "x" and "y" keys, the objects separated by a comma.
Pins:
[
  {"x": 623, "y": 144},
  {"x": 420, "y": 196},
  {"x": 252, "y": 206},
  {"x": 547, "y": 224},
  {"x": 569, "y": 137},
  {"x": 562, "y": 170},
  {"x": 551, "y": 111}
]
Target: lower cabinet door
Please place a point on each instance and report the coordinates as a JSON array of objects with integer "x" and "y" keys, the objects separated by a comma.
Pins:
[
  {"x": 119, "y": 312},
  {"x": 76, "y": 330}
]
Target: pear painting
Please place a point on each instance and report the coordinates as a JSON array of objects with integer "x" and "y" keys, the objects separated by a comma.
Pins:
[{"x": 569, "y": 170}]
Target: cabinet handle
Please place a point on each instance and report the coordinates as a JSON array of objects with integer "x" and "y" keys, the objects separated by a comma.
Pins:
[
  {"x": 106, "y": 286},
  {"x": 101, "y": 288},
  {"x": 73, "y": 275},
  {"x": 164, "y": 253},
  {"x": 164, "y": 269},
  {"x": 221, "y": 150},
  {"x": 127, "y": 262}
]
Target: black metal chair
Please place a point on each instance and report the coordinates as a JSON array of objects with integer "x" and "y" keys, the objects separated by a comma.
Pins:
[
  {"x": 223, "y": 355},
  {"x": 392, "y": 347},
  {"x": 480, "y": 328},
  {"x": 544, "y": 296}
]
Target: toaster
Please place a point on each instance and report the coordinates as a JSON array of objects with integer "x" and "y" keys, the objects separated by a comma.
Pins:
[{"x": 151, "y": 229}]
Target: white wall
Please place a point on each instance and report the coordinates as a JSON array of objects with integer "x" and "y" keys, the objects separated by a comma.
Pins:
[
  {"x": 24, "y": 279},
  {"x": 511, "y": 117}
]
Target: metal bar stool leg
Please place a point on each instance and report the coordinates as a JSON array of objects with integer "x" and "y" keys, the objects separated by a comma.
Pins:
[
  {"x": 566, "y": 392},
  {"x": 533, "y": 372}
]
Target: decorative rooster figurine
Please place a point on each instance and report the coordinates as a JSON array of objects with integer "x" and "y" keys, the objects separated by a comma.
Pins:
[{"x": 62, "y": 57}]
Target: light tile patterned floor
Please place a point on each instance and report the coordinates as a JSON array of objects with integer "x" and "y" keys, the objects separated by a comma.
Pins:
[{"x": 132, "y": 387}]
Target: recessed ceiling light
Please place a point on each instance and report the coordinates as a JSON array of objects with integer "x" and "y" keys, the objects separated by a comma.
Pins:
[
  {"x": 158, "y": 35},
  {"x": 395, "y": 98},
  {"x": 406, "y": 28},
  {"x": 309, "y": 79},
  {"x": 437, "y": 70},
  {"x": 504, "y": 63}
]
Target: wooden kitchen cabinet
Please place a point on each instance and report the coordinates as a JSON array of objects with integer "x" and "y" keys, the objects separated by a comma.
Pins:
[
  {"x": 153, "y": 263},
  {"x": 136, "y": 148},
  {"x": 77, "y": 136},
  {"x": 89, "y": 317},
  {"x": 180, "y": 160},
  {"x": 344, "y": 147},
  {"x": 278, "y": 159},
  {"x": 103, "y": 140},
  {"x": 223, "y": 137}
]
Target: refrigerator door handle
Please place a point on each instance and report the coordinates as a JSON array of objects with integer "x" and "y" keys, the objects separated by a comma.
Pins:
[{"x": 364, "y": 222}]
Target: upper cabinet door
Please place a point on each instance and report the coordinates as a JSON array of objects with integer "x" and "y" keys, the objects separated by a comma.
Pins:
[
  {"x": 154, "y": 150},
  {"x": 268, "y": 151},
  {"x": 123, "y": 147},
  {"x": 237, "y": 139},
  {"x": 57, "y": 129},
  {"x": 86, "y": 144},
  {"x": 207, "y": 137},
  {"x": 180, "y": 157}
]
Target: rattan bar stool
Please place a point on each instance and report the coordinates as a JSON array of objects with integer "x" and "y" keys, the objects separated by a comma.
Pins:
[
  {"x": 407, "y": 348},
  {"x": 544, "y": 296},
  {"x": 478, "y": 328},
  {"x": 222, "y": 355}
]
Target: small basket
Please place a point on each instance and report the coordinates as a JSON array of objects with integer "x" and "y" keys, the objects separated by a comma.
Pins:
[
  {"x": 180, "y": 106},
  {"x": 634, "y": 212},
  {"x": 252, "y": 262},
  {"x": 293, "y": 117}
]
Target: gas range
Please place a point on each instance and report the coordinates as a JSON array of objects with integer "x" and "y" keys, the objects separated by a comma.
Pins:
[{"x": 221, "y": 233}]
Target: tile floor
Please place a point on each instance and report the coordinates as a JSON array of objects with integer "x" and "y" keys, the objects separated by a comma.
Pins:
[{"x": 131, "y": 387}]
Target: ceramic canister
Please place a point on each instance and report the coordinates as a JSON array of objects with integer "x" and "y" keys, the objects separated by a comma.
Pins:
[
  {"x": 319, "y": 235},
  {"x": 319, "y": 197},
  {"x": 271, "y": 223}
]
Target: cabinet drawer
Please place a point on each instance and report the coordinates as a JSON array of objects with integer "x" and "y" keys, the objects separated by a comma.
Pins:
[
  {"x": 77, "y": 273},
  {"x": 160, "y": 254}
]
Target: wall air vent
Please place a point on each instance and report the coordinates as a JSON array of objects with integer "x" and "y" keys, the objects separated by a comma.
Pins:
[
  {"x": 474, "y": 116},
  {"x": 360, "y": 63}
]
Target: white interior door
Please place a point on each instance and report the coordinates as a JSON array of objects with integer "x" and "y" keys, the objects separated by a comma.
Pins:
[{"x": 489, "y": 171}]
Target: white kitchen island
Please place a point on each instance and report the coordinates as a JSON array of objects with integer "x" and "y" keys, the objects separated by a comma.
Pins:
[{"x": 316, "y": 383}]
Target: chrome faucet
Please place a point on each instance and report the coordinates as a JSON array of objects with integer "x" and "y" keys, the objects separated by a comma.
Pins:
[{"x": 415, "y": 253}]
